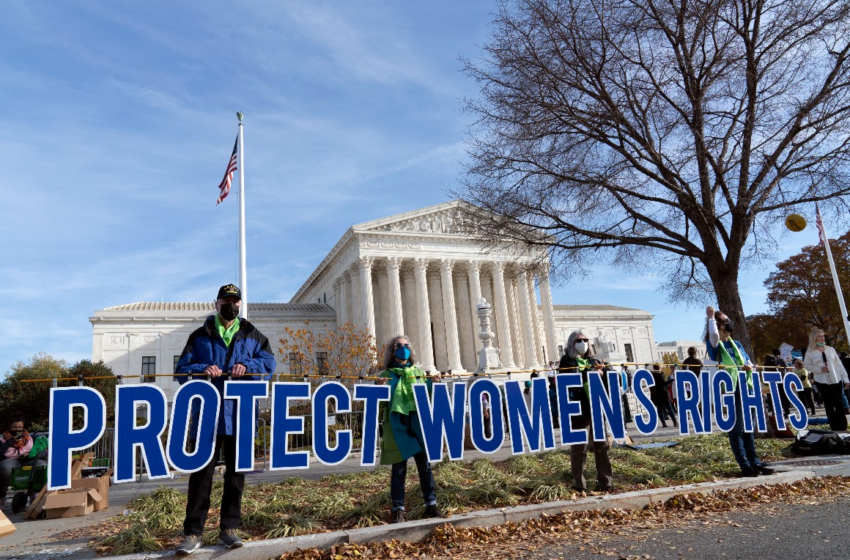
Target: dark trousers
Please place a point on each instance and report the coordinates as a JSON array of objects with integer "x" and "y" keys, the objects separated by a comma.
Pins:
[
  {"x": 743, "y": 443},
  {"x": 833, "y": 403},
  {"x": 664, "y": 409},
  {"x": 200, "y": 485},
  {"x": 808, "y": 401},
  {"x": 426, "y": 481}
]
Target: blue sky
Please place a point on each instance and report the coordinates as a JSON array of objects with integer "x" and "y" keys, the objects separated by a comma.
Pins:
[{"x": 118, "y": 118}]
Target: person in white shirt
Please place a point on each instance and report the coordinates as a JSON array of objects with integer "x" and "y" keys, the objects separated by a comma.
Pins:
[{"x": 830, "y": 378}]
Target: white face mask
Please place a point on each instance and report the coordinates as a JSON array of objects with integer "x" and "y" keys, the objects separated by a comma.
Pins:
[{"x": 581, "y": 347}]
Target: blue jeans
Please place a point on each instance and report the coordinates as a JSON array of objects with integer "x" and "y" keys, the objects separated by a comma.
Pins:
[
  {"x": 743, "y": 443},
  {"x": 426, "y": 481}
]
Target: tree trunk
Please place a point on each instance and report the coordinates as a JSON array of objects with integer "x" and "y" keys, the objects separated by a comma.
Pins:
[{"x": 729, "y": 301}]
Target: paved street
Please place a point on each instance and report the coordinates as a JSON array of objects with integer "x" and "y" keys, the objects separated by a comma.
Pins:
[{"x": 808, "y": 531}]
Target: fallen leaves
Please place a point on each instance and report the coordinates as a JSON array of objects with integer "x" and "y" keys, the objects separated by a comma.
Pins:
[{"x": 585, "y": 528}]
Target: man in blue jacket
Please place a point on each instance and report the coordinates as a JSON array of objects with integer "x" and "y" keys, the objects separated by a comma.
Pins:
[{"x": 224, "y": 345}]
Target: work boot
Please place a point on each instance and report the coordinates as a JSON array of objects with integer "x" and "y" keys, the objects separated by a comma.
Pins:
[
  {"x": 432, "y": 511},
  {"x": 397, "y": 516},
  {"x": 229, "y": 538},
  {"x": 189, "y": 545},
  {"x": 749, "y": 472},
  {"x": 764, "y": 469}
]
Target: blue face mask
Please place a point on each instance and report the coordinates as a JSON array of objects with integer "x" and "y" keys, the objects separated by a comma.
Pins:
[{"x": 402, "y": 354}]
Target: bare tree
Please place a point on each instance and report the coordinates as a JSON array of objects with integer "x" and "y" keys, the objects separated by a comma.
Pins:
[{"x": 680, "y": 132}]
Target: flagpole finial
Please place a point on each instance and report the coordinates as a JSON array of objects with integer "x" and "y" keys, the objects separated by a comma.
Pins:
[{"x": 239, "y": 116}]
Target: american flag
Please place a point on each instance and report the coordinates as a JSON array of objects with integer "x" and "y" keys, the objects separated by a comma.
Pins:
[
  {"x": 821, "y": 230},
  {"x": 224, "y": 187}
]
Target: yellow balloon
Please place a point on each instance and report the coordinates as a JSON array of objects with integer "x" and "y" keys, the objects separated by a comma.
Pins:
[{"x": 795, "y": 222}]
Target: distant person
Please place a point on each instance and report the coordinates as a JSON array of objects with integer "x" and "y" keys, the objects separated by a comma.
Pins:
[
  {"x": 402, "y": 430},
  {"x": 806, "y": 378},
  {"x": 780, "y": 361},
  {"x": 729, "y": 353},
  {"x": 660, "y": 396},
  {"x": 225, "y": 346},
  {"x": 694, "y": 364},
  {"x": 15, "y": 445},
  {"x": 580, "y": 358},
  {"x": 829, "y": 375}
]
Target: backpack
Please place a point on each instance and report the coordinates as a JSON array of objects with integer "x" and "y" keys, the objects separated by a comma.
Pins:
[{"x": 817, "y": 442}]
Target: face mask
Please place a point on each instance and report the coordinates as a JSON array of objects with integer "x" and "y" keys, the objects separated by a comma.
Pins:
[
  {"x": 820, "y": 344},
  {"x": 729, "y": 326},
  {"x": 229, "y": 311},
  {"x": 402, "y": 354},
  {"x": 581, "y": 347}
]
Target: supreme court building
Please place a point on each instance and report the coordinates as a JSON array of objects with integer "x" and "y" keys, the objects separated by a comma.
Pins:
[{"x": 419, "y": 273}]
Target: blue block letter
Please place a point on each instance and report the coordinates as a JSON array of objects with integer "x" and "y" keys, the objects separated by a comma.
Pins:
[
  {"x": 441, "y": 419},
  {"x": 129, "y": 437},
  {"x": 63, "y": 438},
  {"x": 476, "y": 416},
  {"x": 246, "y": 393},
  {"x": 198, "y": 402},
  {"x": 372, "y": 394},
  {"x": 326, "y": 454},
  {"x": 283, "y": 425}
]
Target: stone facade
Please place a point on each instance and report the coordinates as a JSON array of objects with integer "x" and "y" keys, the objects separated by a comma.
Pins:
[{"x": 420, "y": 273}]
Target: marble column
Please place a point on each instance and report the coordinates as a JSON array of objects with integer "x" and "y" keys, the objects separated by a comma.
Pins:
[
  {"x": 473, "y": 269},
  {"x": 548, "y": 316},
  {"x": 423, "y": 310},
  {"x": 356, "y": 294},
  {"x": 338, "y": 301},
  {"x": 503, "y": 324},
  {"x": 346, "y": 295},
  {"x": 408, "y": 299},
  {"x": 435, "y": 295},
  {"x": 394, "y": 296},
  {"x": 367, "y": 308},
  {"x": 452, "y": 342},
  {"x": 535, "y": 320},
  {"x": 526, "y": 317}
]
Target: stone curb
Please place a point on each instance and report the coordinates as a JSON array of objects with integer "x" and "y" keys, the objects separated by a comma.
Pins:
[{"x": 417, "y": 530}]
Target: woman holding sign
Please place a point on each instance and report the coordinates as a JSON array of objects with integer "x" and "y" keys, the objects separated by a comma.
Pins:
[
  {"x": 580, "y": 358},
  {"x": 729, "y": 353},
  {"x": 402, "y": 434}
]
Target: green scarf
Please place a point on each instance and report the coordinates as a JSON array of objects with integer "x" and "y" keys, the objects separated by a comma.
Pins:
[
  {"x": 731, "y": 364},
  {"x": 403, "y": 400},
  {"x": 228, "y": 333},
  {"x": 582, "y": 367}
]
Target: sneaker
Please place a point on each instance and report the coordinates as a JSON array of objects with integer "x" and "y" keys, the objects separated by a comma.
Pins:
[
  {"x": 229, "y": 538},
  {"x": 764, "y": 469},
  {"x": 432, "y": 511},
  {"x": 749, "y": 472},
  {"x": 397, "y": 516},
  {"x": 189, "y": 545}
]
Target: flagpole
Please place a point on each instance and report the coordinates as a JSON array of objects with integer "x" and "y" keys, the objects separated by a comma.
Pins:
[
  {"x": 838, "y": 292},
  {"x": 243, "y": 270}
]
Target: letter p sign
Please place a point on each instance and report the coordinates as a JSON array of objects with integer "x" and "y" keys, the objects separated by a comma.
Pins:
[{"x": 64, "y": 439}]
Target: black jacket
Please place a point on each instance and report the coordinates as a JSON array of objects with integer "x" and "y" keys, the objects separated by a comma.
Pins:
[{"x": 570, "y": 365}]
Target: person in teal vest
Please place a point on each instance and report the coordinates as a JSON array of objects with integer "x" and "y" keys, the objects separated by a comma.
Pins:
[
  {"x": 402, "y": 434},
  {"x": 728, "y": 352}
]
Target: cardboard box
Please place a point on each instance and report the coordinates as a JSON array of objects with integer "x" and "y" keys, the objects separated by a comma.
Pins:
[
  {"x": 70, "y": 503},
  {"x": 6, "y": 526},
  {"x": 99, "y": 483}
]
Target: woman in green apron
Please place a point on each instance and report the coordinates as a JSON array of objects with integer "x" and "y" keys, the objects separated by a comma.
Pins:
[
  {"x": 729, "y": 353},
  {"x": 402, "y": 434}
]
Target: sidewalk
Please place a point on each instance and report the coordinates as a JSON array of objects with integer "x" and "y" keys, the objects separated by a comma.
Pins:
[{"x": 33, "y": 540}]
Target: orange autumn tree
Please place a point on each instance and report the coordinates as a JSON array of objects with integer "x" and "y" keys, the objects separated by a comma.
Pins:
[{"x": 348, "y": 352}]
